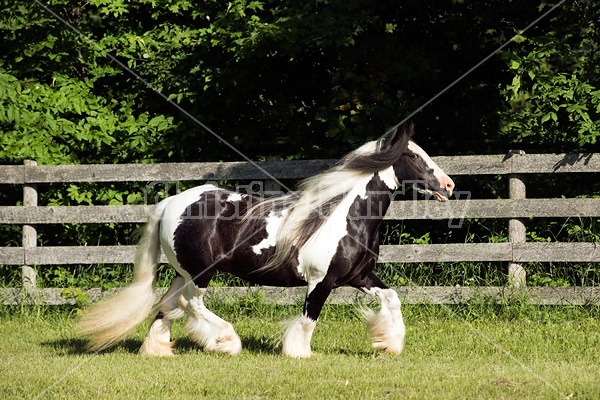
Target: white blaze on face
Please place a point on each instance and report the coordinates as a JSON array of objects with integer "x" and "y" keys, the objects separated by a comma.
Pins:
[
  {"x": 445, "y": 181},
  {"x": 273, "y": 223}
]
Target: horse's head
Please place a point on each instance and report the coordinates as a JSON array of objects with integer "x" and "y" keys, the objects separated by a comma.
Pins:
[{"x": 414, "y": 166}]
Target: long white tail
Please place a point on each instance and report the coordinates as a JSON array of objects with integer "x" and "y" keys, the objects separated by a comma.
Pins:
[{"x": 111, "y": 319}]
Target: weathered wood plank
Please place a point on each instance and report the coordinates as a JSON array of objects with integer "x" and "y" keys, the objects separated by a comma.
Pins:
[
  {"x": 453, "y": 252},
  {"x": 549, "y": 208},
  {"x": 517, "y": 252},
  {"x": 498, "y": 294},
  {"x": 495, "y": 164},
  {"x": 557, "y": 252},
  {"x": 296, "y": 169},
  {"x": 348, "y": 295},
  {"x": 176, "y": 171},
  {"x": 60, "y": 255},
  {"x": 343, "y": 295},
  {"x": 12, "y": 174},
  {"x": 74, "y": 214},
  {"x": 46, "y": 296},
  {"x": 12, "y": 256},
  {"x": 422, "y": 209},
  {"x": 493, "y": 208},
  {"x": 556, "y": 163},
  {"x": 563, "y": 296}
]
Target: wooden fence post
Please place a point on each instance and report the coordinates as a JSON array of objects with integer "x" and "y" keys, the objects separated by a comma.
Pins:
[
  {"x": 516, "y": 227},
  {"x": 30, "y": 199}
]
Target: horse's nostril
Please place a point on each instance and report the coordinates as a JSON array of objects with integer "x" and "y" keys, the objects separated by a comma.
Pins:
[{"x": 448, "y": 185}]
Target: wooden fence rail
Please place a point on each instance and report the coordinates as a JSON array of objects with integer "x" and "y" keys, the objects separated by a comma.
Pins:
[{"x": 516, "y": 209}]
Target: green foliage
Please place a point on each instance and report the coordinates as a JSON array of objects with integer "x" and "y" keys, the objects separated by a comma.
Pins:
[
  {"x": 312, "y": 78},
  {"x": 10, "y": 276},
  {"x": 80, "y": 296},
  {"x": 64, "y": 122},
  {"x": 554, "y": 95}
]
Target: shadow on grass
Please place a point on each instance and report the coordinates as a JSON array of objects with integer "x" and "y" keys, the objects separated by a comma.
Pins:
[
  {"x": 67, "y": 346},
  {"x": 257, "y": 345},
  {"x": 261, "y": 345},
  {"x": 77, "y": 346},
  {"x": 363, "y": 353}
]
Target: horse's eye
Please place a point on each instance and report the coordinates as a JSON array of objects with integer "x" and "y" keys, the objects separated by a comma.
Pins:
[{"x": 414, "y": 156}]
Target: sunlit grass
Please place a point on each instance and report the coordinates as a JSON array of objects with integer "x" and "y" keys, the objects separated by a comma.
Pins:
[{"x": 470, "y": 351}]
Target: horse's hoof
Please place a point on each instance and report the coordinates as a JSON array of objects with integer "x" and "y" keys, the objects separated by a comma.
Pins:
[{"x": 230, "y": 344}]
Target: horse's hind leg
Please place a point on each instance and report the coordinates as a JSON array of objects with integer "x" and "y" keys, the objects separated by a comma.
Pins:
[
  {"x": 158, "y": 341},
  {"x": 206, "y": 328}
]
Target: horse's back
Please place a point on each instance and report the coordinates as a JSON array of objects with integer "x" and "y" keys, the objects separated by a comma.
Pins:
[{"x": 204, "y": 229}]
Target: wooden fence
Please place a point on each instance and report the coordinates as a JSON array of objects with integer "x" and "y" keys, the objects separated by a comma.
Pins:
[{"x": 515, "y": 166}]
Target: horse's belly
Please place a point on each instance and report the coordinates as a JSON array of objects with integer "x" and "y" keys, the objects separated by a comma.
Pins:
[{"x": 283, "y": 277}]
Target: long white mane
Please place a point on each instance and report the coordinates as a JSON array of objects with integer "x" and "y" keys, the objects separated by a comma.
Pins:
[
  {"x": 315, "y": 200},
  {"x": 317, "y": 192}
]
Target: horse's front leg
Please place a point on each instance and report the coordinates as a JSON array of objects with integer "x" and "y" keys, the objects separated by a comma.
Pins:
[
  {"x": 296, "y": 340},
  {"x": 386, "y": 326}
]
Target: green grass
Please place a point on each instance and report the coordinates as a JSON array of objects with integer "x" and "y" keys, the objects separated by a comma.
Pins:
[{"x": 484, "y": 351}]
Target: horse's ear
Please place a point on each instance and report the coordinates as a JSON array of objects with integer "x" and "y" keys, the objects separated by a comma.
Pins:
[
  {"x": 398, "y": 137},
  {"x": 407, "y": 134},
  {"x": 409, "y": 130},
  {"x": 402, "y": 135},
  {"x": 388, "y": 140}
]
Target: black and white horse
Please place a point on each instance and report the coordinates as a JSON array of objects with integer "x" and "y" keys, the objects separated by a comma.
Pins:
[{"x": 323, "y": 236}]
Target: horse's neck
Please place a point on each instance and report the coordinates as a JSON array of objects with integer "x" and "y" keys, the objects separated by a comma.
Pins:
[{"x": 377, "y": 201}]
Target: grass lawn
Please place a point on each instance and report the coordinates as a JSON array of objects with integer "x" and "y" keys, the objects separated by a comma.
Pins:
[{"x": 467, "y": 352}]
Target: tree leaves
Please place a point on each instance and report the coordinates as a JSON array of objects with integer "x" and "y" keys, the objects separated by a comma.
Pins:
[{"x": 553, "y": 97}]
